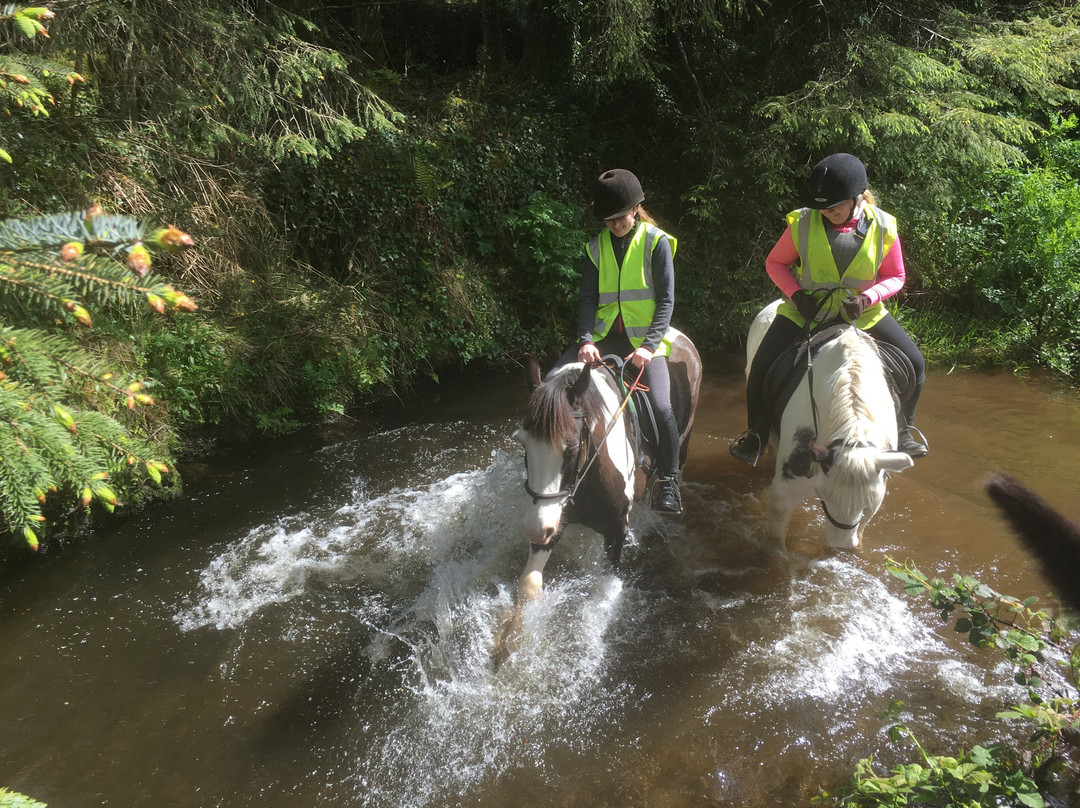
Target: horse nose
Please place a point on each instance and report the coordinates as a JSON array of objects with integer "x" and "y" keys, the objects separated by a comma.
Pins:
[{"x": 539, "y": 535}]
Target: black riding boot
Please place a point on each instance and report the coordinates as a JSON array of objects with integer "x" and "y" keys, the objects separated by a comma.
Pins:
[
  {"x": 906, "y": 442},
  {"x": 666, "y": 497}
]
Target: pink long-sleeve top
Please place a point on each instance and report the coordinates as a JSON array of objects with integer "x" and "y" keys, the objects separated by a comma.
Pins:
[{"x": 783, "y": 256}]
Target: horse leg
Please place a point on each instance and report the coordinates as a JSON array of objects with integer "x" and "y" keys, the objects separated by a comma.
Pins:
[
  {"x": 530, "y": 587},
  {"x": 782, "y": 502},
  {"x": 531, "y": 583},
  {"x": 615, "y": 536},
  {"x": 613, "y": 544}
]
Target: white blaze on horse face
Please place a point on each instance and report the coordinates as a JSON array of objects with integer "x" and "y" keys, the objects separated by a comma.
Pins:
[{"x": 543, "y": 468}]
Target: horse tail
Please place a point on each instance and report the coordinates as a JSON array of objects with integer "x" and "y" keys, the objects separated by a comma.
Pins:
[{"x": 1048, "y": 535}]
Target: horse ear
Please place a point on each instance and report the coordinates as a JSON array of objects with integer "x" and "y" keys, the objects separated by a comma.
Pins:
[
  {"x": 532, "y": 371},
  {"x": 581, "y": 386},
  {"x": 894, "y": 461},
  {"x": 820, "y": 453}
]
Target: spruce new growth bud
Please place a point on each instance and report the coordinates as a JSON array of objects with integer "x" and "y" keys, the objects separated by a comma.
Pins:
[
  {"x": 81, "y": 314},
  {"x": 138, "y": 260},
  {"x": 65, "y": 419},
  {"x": 170, "y": 239},
  {"x": 31, "y": 538},
  {"x": 156, "y": 303},
  {"x": 71, "y": 251},
  {"x": 177, "y": 300}
]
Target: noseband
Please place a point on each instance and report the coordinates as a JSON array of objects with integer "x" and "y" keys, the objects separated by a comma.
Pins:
[
  {"x": 584, "y": 461},
  {"x": 834, "y": 523},
  {"x": 826, "y": 465}
]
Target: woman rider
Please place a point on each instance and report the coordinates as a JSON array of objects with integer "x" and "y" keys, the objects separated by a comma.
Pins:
[
  {"x": 627, "y": 297},
  {"x": 838, "y": 259}
]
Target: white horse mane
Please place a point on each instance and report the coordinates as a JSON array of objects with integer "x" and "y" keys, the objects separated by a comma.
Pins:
[
  {"x": 861, "y": 415},
  {"x": 861, "y": 408}
]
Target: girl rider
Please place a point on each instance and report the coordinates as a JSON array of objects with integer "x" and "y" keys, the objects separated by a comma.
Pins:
[
  {"x": 839, "y": 258},
  {"x": 627, "y": 296}
]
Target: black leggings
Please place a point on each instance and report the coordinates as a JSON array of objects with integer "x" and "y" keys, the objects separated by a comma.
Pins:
[
  {"x": 657, "y": 378},
  {"x": 783, "y": 333}
]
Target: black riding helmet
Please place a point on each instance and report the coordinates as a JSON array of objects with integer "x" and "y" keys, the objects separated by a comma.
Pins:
[
  {"x": 616, "y": 193},
  {"x": 836, "y": 178}
]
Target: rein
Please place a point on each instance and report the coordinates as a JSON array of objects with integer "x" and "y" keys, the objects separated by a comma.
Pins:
[{"x": 584, "y": 441}]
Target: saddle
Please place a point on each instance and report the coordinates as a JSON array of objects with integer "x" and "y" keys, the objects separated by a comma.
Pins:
[{"x": 785, "y": 374}]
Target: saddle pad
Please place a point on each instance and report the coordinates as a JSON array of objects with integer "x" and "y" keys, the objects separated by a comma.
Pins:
[{"x": 785, "y": 374}]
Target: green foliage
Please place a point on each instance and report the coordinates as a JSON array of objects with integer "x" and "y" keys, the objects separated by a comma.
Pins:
[
  {"x": 246, "y": 76},
  {"x": 1011, "y": 251},
  {"x": 999, "y": 773},
  {"x": 27, "y": 81},
  {"x": 463, "y": 239},
  {"x": 12, "y": 799},
  {"x": 56, "y": 433},
  {"x": 549, "y": 241},
  {"x": 982, "y": 776}
]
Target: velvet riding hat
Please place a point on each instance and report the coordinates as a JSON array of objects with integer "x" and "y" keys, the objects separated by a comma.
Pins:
[
  {"x": 616, "y": 193},
  {"x": 836, "y": 178}
]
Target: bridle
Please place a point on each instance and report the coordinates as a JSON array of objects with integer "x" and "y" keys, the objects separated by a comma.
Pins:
[
  {"x": 584, "y": 450},
  {"x": 827, "y": 464}
]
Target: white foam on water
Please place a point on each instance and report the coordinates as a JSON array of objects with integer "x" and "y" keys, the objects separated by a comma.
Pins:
[
  {"x": 362, "y": 543},
  {"x": 465, "y": 722},
  {"x": 450, "y": 552},
  {"x": 848, "y": 642}
]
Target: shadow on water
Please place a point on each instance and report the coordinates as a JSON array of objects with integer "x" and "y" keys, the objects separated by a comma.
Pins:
[{"x": 317, "y": 626}]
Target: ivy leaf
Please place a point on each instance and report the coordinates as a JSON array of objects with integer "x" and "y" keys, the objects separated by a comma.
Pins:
[{"x": 1033, "y": 799}]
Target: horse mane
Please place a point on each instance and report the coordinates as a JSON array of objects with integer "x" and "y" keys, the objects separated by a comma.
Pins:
[
  {"x": 859, "y": 391},
  {"x": 857, "y": 385},
  {"x": 549, "y": 414}
]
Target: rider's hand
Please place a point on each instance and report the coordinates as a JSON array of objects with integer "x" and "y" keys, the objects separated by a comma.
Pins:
[
  {"x": 587, "y": 353},
  {"x": 855, "y": 306},
  {"x": 640, "y": 358},
  {"x": 806, "y": 303}
]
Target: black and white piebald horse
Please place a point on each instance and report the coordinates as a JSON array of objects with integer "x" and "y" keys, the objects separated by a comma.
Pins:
[
  {"x": 837, "y": 436},
  {"x": 586, "y": 461}
]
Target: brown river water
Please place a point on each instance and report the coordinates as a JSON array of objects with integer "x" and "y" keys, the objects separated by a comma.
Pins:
[{"x": 312, "y": 623}]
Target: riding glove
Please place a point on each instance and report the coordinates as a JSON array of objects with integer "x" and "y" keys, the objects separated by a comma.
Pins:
[
  {"x": 855, "y": 306},
  {"x": 806, "y": 303}
]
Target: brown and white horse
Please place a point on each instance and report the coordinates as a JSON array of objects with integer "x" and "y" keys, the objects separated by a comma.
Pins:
[
  {"x": 837, "y": 437},
  {"x": 581, "y": 454}
]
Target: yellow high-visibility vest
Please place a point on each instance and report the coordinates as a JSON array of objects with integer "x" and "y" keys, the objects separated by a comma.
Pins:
[
  {"x": 816, "y": 270},
  {"x": 627, "y": 290}
]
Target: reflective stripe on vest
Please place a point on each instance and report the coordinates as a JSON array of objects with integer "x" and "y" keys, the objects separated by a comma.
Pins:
[
  {"x": 626, "y": 289},
  {"x": 817, "y": 270}
]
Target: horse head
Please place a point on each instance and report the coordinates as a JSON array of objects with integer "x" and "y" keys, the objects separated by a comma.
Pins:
[
  {"x": 851, "y": 487},
  {"x": 555, "y": 434}
]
